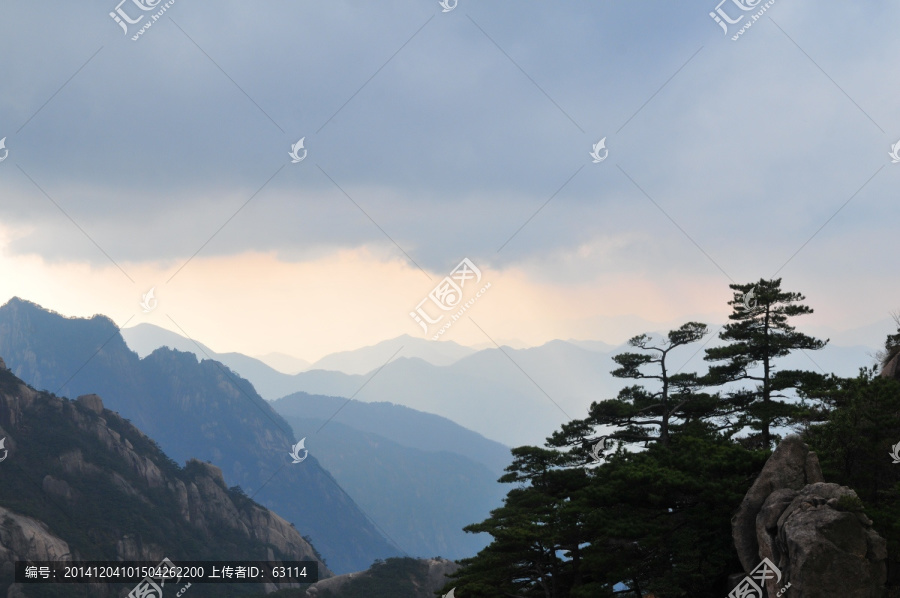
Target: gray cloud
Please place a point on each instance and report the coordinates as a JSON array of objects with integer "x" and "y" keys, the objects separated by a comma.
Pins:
[{"x": 450, "y": 148}]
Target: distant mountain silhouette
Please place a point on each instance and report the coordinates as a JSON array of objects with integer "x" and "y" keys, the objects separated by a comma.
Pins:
[
  {"x": 520, "y": 396},
  {"x": 286, "y": 364},
  {"x": 514, "y": 396},
  {"x": 193, "y": 410},
  {"x": 367, "y": 359},
  {"x": 402, "y": 425},
  {"x": 483, "y": 391},
  {"x": 405, "y": 469},
  {"x": 144, "y": 339}
]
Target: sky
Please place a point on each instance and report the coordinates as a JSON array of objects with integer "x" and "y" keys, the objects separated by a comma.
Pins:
[{"x": 435, "y": 134}]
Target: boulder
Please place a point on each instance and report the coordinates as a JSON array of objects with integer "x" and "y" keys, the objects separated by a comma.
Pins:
[
  {"x": 815, "y": 534},
  {"x": 823, "y": 543},
  {"x": 92, "y": 402},
  {"x": 891, "y": 369},
  {"x": 791, "y": 466}
]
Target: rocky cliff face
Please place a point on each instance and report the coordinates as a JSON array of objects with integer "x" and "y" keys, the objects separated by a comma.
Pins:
[
  {"x": 81, "y": 483},
  {"x": 814, "y": 535}
]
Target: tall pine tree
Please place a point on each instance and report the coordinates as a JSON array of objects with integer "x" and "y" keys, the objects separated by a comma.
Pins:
[{"x": 758, "y": 335}]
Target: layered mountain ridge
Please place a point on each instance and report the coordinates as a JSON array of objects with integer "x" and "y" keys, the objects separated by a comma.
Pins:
[
  {"x": 79, "y": 482},
  {"x": 193, "y": 410}
]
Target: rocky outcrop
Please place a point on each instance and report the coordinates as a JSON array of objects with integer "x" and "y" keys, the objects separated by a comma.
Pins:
[
  {"x": 430, "y": 576},
  {"x": 814, "y": 533},
  {"x": 24, "y": 538},
  {"x": 118, "y": 460},
  {"x": 791, "y": 466},
  {"x": 891, "y": 368}
]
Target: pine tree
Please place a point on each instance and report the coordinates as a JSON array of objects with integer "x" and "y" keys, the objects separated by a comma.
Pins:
[
  {"x": 538, "y": 533},
  {"x": 760, "y": 334},
  {"x": 641, "y": 415}
]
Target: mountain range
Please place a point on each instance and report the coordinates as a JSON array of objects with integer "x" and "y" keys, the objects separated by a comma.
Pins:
[
  {"x": 79, "y": 482},
  {"x": 398, "y": 470},
  {"x": 382, "y": 455},
  {"x": 512, "y": 396},
  {"x": 193, "y": 410},
  {"x": 405, "y": 469}
]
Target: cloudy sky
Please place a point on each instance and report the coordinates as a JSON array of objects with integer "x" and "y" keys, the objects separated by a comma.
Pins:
[{"x": 161, "y": 160}]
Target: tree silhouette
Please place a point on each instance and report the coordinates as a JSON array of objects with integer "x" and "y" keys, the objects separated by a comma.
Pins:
[
  {"x": 643, "y": 415},
  {"x": 759, "y": 334}
]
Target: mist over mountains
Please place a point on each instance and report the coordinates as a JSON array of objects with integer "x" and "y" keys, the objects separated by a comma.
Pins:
[
  {"x": 192, "y": 410},
  {"x": 512, "y": 396},
  {"x": 402, "y": 425},
  {"x": 416, "y": 449},
  {"x": 421, "y": 477}
]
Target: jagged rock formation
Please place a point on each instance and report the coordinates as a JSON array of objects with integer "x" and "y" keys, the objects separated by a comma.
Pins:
[
  {"x": 81, "y": 483},
  {"x": 792, "y": 466},
  {"x": 814, "y": 532}
]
